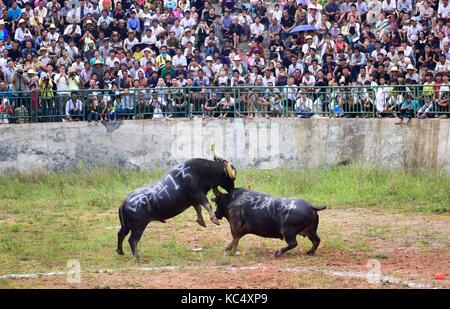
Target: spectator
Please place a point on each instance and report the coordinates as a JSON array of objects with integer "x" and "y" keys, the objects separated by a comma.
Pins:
[
  {"x": 74, "y": 108},
  {"x": 109, "y": 47}
]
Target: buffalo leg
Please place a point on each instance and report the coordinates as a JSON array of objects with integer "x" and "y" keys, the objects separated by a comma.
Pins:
[
  {"x": 135, "y": 236},
  {"x": 123, "y": 232},
  {"x": 200, "y": 219},
  {"x": 202, "y": 200},
  {"x": 233, "y": 244},
  {"x": 291, "y": 240},
  {"x": 315, "y": 239}
]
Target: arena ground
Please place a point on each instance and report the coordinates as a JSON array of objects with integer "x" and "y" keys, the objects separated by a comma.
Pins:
[{"x": 75, "y": 217}]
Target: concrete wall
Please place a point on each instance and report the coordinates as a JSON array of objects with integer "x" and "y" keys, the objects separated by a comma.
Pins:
[{"x": 262, "y": 143}]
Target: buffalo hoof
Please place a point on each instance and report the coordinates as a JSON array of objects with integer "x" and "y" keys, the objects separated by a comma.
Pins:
[
  {"x": 310, "y": 252},
  {"x": 277, "y": 253},
  {"x": 201, "y": 222},
  {"x": 120, "y": 252},
  {"x": 215, "y": 221}
]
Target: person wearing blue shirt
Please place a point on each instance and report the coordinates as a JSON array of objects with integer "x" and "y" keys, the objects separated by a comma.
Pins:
[
  {"x": 133, "y": 23},
  {"x": 28, "y": 50},
  {"x": 226, "y": 20},
  {"x": 3, "y": 31},
  {"x": 14, "y": 11}
]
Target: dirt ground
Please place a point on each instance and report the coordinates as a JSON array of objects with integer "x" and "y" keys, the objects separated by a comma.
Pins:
[{"x": 409, "y": 249}]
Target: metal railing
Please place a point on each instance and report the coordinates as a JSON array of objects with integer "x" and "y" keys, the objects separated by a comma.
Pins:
[{"x": 409, "y": 101}]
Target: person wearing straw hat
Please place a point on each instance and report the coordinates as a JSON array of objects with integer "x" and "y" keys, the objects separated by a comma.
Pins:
[
  {"x": 411, "y": 73},
  {"x": 43, "y": 56},
  {"x": 53, "y": 33},
  {"x": 74, "y": 80},
  {"x": 22, "y": 32},
  {"x": 238, "y": 66},
  {"x": 130, "y": 41}
]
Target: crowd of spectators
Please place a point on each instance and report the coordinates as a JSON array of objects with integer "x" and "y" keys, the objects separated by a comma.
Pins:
[{"x": 109, "y": 59}]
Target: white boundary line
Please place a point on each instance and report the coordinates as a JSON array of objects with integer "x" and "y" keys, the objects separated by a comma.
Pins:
[{"x": 347, "y": 274}]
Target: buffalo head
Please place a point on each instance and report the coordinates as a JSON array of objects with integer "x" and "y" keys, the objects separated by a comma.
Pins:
[
  {"x": 222, "y": 202},
  {"x": 229, "y": 171}
]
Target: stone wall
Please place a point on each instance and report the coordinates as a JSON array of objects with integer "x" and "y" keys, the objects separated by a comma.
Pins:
[{"x": 262, "y": 143}]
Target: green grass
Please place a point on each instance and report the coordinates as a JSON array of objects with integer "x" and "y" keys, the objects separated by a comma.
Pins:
[{"x": 47, "y": 219}]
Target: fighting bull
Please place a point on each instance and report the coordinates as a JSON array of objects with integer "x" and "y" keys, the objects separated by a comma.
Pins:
[
  {"x": 183, "y": 186},
  {"x": 256, "y": 213}
]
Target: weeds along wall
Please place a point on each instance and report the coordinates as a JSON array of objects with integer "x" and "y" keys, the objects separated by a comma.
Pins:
[{"x": 261, "y": 143}]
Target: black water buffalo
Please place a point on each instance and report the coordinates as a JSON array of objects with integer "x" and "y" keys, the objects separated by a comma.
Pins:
[
  {"x": 183, "y": 186},
  {"x": 256, "y": 213}
]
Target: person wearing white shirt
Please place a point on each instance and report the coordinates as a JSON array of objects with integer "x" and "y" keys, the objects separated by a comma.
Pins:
[
  {"x": 156, "y": 29},
  {"x": 148, "y": 38},
  {"x": 443, "y": 65},
  {"x": 74, "y": 107},
  {"x": 276, "y": 12},
  {"x": 177, "y": 29},
  {"x": 145, "y": 16},
  {"x": 187, "y": 21},
  {"x": 4, "y": 60},
  {"x": 257, "y": 29},
  {"x": 111, "y": 60},
  {"x": 21, "y": 32},
  {"x": 179, "y": 58},
  {"x": 388, "y": 6},
  {"x": 443, "y": 9},
  {"x": 188, "y": 37},
  {"x": 404, "y": 5},
  {"x": 104, "y": 19},
  {"x": 52, "y": 34}
]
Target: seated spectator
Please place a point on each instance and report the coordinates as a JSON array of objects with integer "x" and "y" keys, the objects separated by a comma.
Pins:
[{"x": 74, "y": 108}]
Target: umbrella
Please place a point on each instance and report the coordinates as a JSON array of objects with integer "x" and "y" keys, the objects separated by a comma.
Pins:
[{"x": 302, "y": 28}]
